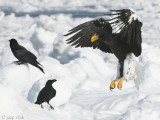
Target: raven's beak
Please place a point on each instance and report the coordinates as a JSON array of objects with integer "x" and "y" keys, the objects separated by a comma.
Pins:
[{"x": 54, "y": 80}]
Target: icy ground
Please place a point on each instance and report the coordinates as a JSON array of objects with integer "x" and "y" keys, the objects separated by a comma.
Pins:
[{"x": 83, "y": 75}]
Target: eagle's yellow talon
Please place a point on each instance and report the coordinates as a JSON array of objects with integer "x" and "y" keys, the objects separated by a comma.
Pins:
[
  {"x": 113, "y": 84},
  {"x": 120, "y": 84}
]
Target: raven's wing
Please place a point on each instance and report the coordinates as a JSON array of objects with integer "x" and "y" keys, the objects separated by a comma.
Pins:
[
  {"x": 46, "y": 94},
  {"x": 127, "y": 28},
  {"x": 85, "y": 31},
  {"x": 23, "y": 54},
  {"x": 41, "y": 96}
]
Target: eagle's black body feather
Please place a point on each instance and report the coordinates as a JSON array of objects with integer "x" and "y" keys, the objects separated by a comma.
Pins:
[{"x": 119, "y": 35}]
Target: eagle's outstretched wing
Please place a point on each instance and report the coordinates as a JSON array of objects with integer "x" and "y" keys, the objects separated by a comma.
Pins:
[
  {"x": 127, "y": 28},
  {"x": 124, "y": 27},
  {"x": 85, "y": 31}
]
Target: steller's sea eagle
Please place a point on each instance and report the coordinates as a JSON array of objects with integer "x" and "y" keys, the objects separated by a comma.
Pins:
[{"x": 120, "y": 35}]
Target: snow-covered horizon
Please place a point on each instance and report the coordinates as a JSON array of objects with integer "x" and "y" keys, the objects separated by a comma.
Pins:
[{"x": 83, "y": 74}]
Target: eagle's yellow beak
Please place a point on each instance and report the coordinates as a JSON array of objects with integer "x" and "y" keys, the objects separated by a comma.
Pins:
[{"x": 94, "y": 38}]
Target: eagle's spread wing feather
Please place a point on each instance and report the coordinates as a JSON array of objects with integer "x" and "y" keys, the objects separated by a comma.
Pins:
[
  {"x": 84, "y": 32},
  {"x": 123, "y": 26}
]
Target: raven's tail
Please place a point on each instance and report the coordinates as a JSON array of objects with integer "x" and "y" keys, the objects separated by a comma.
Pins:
[
  {"x": 37, "y": 65},
  {"x": 40, "y": 68}
]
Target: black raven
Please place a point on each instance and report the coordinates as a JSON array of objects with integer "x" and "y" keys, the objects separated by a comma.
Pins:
[
  {"x": 120, "y": 35},
  {"x": 47, "y": 93},
  {"x": 23, "y": 55}
]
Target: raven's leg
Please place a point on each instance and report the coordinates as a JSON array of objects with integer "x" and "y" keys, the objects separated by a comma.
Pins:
[
  {"x": 19, "y": 62},
  {"x": 119, "y": 76},
  {"x": 41, "y": 106},
  {"x": 50, "y": 106}
]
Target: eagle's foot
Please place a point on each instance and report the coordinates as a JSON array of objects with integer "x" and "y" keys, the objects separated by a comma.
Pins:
[
  {"x": 113, "y": 84},
  {"x": 119, "y": 86}
]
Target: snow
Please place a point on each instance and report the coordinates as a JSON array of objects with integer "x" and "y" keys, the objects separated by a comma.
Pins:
[{"x": 83, "y": 74}]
